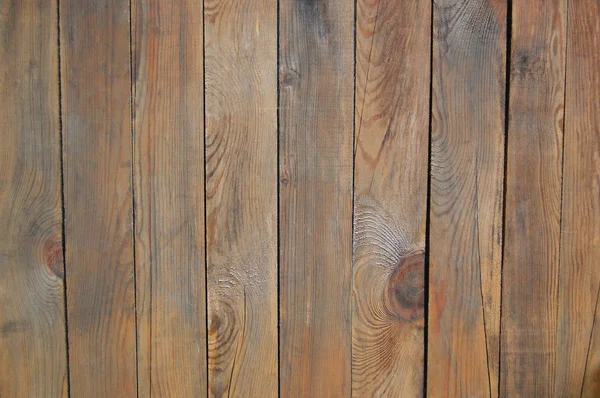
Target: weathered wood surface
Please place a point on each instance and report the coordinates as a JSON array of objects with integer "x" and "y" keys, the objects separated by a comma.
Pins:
[
  {"x": 315, "y": 139},
  {"x": 247, "y": 208},
  {"x": 590, "y": 384},
  {"x": 169, "y": 197},
  {"x": 32, "y": 323},
  {"x": 241, "y": 196},
  {"x": 390, "y": 197},
  {"x": 96, "y": 89},
  {"x": 467, "y": 153},
  {"x": 578, "y": 335},
  {"x": 533, "y": 199}
]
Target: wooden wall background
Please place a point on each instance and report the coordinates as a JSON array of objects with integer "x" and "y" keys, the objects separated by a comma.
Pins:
[{"x": 299, "y": 198}]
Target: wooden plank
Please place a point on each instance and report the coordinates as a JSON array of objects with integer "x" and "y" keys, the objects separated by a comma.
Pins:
[
  {"x": 316, "y": 73},
  {"x": 591, "y": 379},
  {"x": 97, "y": 152},
  {"x": 390, "y": 196},
  {"x": 578, "y": 339},
  {"x": 467, "y": 151},
  {"x": 169, "y": 197},
  {"x": 33, "y": 359},
  {"x": 241, "y": 196},
  {"x": 533, "y": 195}
]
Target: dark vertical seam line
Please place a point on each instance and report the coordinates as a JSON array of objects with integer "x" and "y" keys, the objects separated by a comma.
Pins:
[
  {"x": 562, "y": 190},
  {"x": 133, "y": 213},
  {"x": 151, "y": 238},
  {"x": 354, "y": 144},
  {"x": 487, "y": 354},
  {"x": 587, "y": 357},
  {"x": 205, "y": 198},
  {"x": 505, "y": 185},
  {"x": 277, "y": 136},
  {"x": 428, "y": 206},
  {"x": 62, "y": 198}
]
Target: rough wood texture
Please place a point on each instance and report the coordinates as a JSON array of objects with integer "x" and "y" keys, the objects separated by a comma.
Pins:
[
  {"x": 97, "y": 181},
  {"x": 316, "y": 129},
  {"x": 390, "y": 196},
  {"x": 591, "y": 379},
  {"x": 533, "y": 196},
  {"x": 467, "y": 152},
  {"x": 578, "y": 337},
  {"x": 32, "y": 322},
  {"x": 169, "y": 195},
  {"x": 296, "y": 133},
  {"x": 241, "y": 196}
]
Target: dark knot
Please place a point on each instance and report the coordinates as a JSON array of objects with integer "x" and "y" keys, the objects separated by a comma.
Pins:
[{"x": 404, "y": 295}]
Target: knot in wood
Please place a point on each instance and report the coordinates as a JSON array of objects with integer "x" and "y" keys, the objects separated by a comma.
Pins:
[
  {"x": 404, "y": 294},
  {"x": 53, "y": 256},
  {"x": 288, "y": 77}
]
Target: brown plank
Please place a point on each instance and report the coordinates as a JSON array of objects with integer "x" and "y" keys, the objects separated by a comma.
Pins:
[
  {"x": 169, "y": 197},
  {"x": 390, "y": 196},
  {"x": 241, "y": 196},
  {"x": 316, "y": 73},
  {"x": 32, "y": 323},
  {"x": 467, "y": 153},
  {"x": 591, "y": 379},
  {"x": 578, "y": 339},
  {"x": 533, "y": 195},
  {"x": 97, "y": 153}
]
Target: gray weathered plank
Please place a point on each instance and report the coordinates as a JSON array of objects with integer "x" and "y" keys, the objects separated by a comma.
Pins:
[
  {"x": 390, "y": 196},
  {"x": 169, "y": 197},
  {"x": 241, "y": 196},
  {"x": 96, "y": 89},
  {"x": 578, "y": 334},
  {"x": 533, "y": 196},
  {"x": 32, "y": 323},
  {"x": 467, "y": 157},
  {"x": 315, "y": 138}
]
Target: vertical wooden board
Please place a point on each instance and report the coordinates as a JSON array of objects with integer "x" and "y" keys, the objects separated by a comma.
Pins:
[
  {"x": 579, "y": 275},
  {"x": 98, "y": 203},
  {"x": 467, "y": 155},
  {"x": 241, "y": 196},
  {"x": 533, "y": 195},
  {"x": 316, "y": 73},
  {"x": 32, "y": 322},
  {"x": 390, "y": 196},
  {"x": 169, "y": 197},
  {"x": 591, "y": 380}
]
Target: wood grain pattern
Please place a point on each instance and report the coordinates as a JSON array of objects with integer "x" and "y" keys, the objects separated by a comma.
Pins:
[
  {"x": 578, "y": 339},
  {"x": 241, "y": 196},
  {"x": 32, "y": 322},
  {"x": 234, "y": 227},
  {"x": 98, "y": 203},
  {"x": 591, "y": 380},
  {"x": 316, "y": 117},
  {"x": 467, "y": 152},
  {"x": 533, "y": 197},
  {"x": 169, "y": 197},
  {"x": 390, "y": 197}
]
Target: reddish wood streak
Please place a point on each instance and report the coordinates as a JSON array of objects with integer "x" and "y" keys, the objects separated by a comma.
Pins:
[{"x": 53, "y": 257}]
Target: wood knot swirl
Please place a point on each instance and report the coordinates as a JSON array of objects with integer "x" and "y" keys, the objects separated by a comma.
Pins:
[
  {"x": 53, "y": 256},
  {"x": 404, "y": 295},
  {"x": 288, "y": 77}
]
